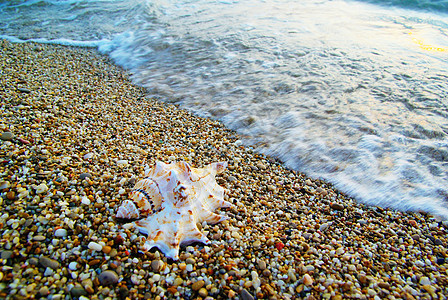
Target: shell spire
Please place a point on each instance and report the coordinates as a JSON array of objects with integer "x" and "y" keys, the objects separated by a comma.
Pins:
[{"x": 171, "y": 200}]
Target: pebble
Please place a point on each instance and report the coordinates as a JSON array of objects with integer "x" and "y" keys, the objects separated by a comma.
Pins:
[
  {"x": 95, "y": 246},
  {"x": 261, "y": 264},
  {"x": 7, "y": 136},
  {"x": 178, "y": 281},
  {"x": 78, "y": 291},
  {"x": 261, "y": 166},
  {"x": 6, "y": 254},
  {"x": 156, "y": 277},
  {"x": 106, "y": 249},
  {"x": 203, "y": 292},
  {"x": 61, "y": 232},
  {"x": 182, "y": 266},
  {"x": 47, "y": 262},
  {"x": 83, "y": 176},
  {"x": 272, "y": 188},
  {"x": 88, "y": 155},
  {"x": 384, "y": 285},
  {"x": 11, "y": 195},
  {"x": 33, "y": 261},
  {"x": 337, "y": 206},
  {"x": 424, "y": 280},
  {"x": 4, "y": 185},
  {"x": 245, "y": 295},
  {"x": 122, "y": 163},
  {"x": 41, "y": 188},
  {"x": 48, "y": 272},
  {"x": 156, "y": 265},
  {"x": 44, "y": 291},
  {"x": 73, "y": 266},
  {"x": 307, "y": 280},
  {"x": 24, "y": 90},
  {"x": 39, "y": 238},
  {"x": 85, "y": 200},
  {"x": 108, "y": 277},
  {"x": 197, "y": 285}
]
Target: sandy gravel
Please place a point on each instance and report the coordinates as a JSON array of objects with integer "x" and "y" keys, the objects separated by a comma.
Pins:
[{"x": 76, "y": 135}]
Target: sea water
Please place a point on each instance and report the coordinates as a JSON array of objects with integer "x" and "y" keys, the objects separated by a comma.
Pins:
[{"x": 353, "y": 92}]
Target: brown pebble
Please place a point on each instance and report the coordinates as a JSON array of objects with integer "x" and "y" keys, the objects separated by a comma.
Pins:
[
  {"x": 257, "y": 244},
  {"x": 197, "y": 285},
  {"x": 337, "y": 206},
  {"x": 89, "y": 289},
  {"x": 307, "y": 280},
  {"x": 262, "y": 264},
  {"x": 203, "y": 292},
  {"x": 172, "y": 290},
  {"x": 384, "y": 285},
  {"x": 94, "y": 262},
  {"x": 269, "y": 289},
  {"x": 113, "y": 252},
  {"x": 11, "y": 195},
  {"x": 182, "y": 266},
  {"x": 106, "y": 249},
  {"x": 266, "y": 273},
  {"x": 44, "y": 291}
]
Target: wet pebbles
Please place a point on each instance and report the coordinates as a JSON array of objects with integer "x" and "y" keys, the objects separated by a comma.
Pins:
[{"x": 76, "y": 135}]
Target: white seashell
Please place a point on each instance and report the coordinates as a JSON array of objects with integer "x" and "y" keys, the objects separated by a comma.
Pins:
[{"x": 171, "y": 200}]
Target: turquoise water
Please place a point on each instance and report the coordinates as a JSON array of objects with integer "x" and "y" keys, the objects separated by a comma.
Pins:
[{"x": 352, "y": 92}]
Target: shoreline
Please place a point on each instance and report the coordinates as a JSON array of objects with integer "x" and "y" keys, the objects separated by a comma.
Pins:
[{"x": 74, "y": 115}]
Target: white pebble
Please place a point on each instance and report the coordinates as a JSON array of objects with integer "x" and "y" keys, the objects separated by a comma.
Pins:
[
  {"x": 85, "y": 200},
  {"x": 60, "y": 232},
  {"x": 88, "y": 155},
  {"x": 189, "y": 267},
  {"x": 122, "y": 163},
  {"x": 254, "y": 275},
  {"x": 424, "y": 280},
  {"x": 84, "y": 276},
  {"x": 73, "y": 265},
  {"x": 95, "y": 246},
  {"x": 135, "y": 280},
  {"x": 156, "y": 277},
  {"x": 48, "y": 272},
  {"x": 41, "y": 188}
]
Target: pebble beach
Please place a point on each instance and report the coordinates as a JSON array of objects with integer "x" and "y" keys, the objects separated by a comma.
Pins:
[{"x": 76, "y": 135}]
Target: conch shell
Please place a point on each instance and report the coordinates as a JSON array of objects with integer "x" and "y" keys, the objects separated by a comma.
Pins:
[{"x": 171, "y": 200}]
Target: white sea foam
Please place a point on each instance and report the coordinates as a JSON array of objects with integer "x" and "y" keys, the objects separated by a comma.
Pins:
[{"x": 59, "y": 41}]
